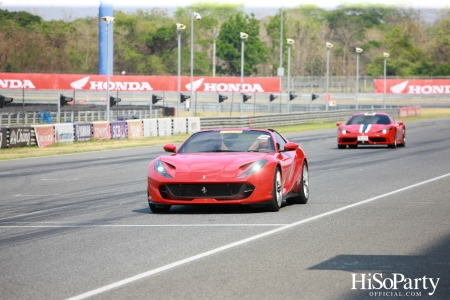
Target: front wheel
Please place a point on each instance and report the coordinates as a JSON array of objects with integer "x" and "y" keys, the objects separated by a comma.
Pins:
[
  {"x": 403, "y": 144},
  {"x": 159, "y": 208},
  {"x": 394, "y": 144},
  {"x": 277, "y": 192},
  {"x": 303, "y": 191},
  {"x": 342, "y": 146}
]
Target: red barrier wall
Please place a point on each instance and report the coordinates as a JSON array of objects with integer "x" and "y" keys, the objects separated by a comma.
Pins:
[
  {"x": 31, "y": 81},
  {"x": 415, "y": 86}
]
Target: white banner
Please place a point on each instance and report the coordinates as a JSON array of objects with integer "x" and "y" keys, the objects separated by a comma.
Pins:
[
  {"x": 164, "y": 126},
  {"x": 150, "y": 127},
  {"x": 179, "y": 126},
  {"x": 64, "y": 133},
  {"x": 193, "y": 124}
]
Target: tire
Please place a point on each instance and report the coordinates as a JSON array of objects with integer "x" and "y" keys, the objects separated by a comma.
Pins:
[
  {"x": 403, "y": 144},
  {"x": 342, "y": 146},
  {"x": 394, "y": 144},
  {"x": 277, "y": 192},
  {"x": 159, "y": 208},
  {"x": 303, "y": 191}
]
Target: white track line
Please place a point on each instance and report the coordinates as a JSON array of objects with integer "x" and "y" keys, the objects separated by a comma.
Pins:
[
  {"x": 241, "y": 242},
  {"x": 105, "y": 225}
]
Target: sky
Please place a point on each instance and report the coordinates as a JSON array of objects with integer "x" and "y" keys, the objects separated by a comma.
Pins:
[{"x": 60, "y": 9}]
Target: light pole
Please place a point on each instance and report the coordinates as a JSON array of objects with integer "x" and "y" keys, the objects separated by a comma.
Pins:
[
  {"x": 214, "y": 53},
  {"x": 179, "y": 28},
  {"x": 386, "y": 55},
  {"x": 280, "y": 70},
  {"x": 289, "y": 42},
  {"x": 358, "y": 51},
  {"x": 108, "y": 20},
  {"x": 329, "y": 46},
  {"x": 243, "y": 36},
  {"x": 198, "y": 17}
]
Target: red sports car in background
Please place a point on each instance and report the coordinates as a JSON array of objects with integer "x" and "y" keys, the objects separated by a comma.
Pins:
[
  {"x": 371, "y": 129},
  {"x": 229, "y": 166}
]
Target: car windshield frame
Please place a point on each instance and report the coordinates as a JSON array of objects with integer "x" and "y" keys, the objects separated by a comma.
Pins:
[
  {"x": 228, "y": 141},
  {"x": 369, "y": 119}
]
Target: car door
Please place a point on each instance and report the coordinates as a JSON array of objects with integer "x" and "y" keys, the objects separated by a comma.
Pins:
[{"x": 287, "y": 161}]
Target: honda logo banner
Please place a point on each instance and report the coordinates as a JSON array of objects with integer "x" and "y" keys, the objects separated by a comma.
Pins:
[
  {"x": 19, "y": 136},
  {"x": 101, "y": 130},
  {"x": 28, "y": 81},
  {"x": 414, "y": 86},
  {"x": 3, "y": 132},
  {"x": 45, "y": 135},
  {"x": 138, "y": 83}
]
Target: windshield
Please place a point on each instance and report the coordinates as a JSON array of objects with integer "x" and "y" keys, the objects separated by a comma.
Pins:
[
  {"x": 369, "y": 119},
  {"x": 229, "y": 141}
]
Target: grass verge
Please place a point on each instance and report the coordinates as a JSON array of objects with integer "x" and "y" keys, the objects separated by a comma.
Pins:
[{"x": 100, "y": 145}]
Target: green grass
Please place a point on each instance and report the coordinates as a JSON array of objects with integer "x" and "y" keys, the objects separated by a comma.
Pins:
[{"x": 100, "y": 145}]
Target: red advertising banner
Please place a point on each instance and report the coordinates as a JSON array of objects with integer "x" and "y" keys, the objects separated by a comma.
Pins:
[
  {"x": 409, "y": 111},
  {"x": 138, "y": 83},
  {"x": 45, "y": 135},
  {"x": 413, "y": 86},
  {"x": 101, "y": 131},
  {"x": 28, "y": 81}
]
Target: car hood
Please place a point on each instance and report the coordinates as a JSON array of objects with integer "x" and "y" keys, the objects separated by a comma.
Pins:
[
  {"x": 210, "y": 166},
  {"x": 365, "y": 128}
]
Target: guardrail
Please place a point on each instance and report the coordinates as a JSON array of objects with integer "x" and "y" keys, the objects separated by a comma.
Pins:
[
  {"x": 275, "y": 120},
  {"x": 262, "y": 120},
  {"x": 49, "y": 117}
]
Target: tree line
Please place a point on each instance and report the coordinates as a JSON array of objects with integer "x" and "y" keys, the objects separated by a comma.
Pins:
[{"x": 146, "y": 41}]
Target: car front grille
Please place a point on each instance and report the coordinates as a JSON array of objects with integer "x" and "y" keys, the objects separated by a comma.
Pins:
[
  {"x": 223, "y": 191},
  {"x": 378, "y": 140},
  {"x": 348, "y": 140}
]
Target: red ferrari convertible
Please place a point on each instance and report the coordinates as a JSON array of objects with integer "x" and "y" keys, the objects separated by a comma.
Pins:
[
  {"x": 229, "y": 166},
  {"x": 371, "y": 129}
]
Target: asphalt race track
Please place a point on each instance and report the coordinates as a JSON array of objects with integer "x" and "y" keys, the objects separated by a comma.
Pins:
[{"x": 377, "y": 221}]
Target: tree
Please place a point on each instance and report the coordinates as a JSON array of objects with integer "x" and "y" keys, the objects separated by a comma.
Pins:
[
  {"x": 405, "y": 58},
  {"x": 348, "y": 24},
  {"x": 229, "y": 45}
]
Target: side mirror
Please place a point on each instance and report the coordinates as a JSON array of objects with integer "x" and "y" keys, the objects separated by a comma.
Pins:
[
  {"x": 291, "y": 146},
  {"x": 170, "y": 148},
  {"x": 338, "y": 124},
  {"x": 400, "y": 123}
]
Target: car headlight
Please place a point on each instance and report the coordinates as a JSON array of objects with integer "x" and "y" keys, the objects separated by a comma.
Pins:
[
  {"x": 254, "y": 168},
  {"x": 384, "y": 131},
  {"x": 160, "y": 168},
  {"x": 344, "y": 131}
]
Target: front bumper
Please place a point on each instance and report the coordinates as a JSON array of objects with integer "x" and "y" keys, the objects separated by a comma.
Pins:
[
  {"x": 371, "y": 139},
  {"x": 256, "y": 191}
]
